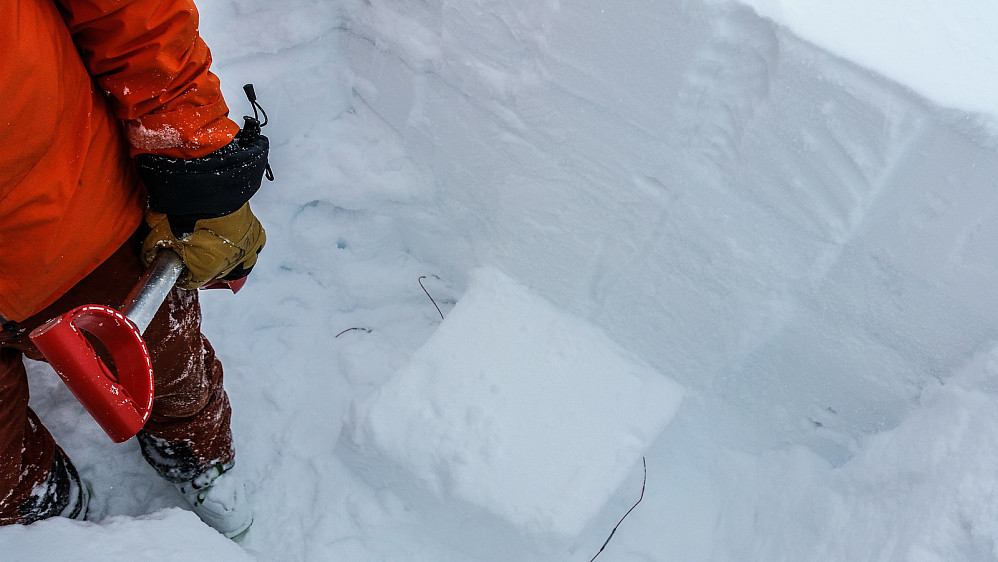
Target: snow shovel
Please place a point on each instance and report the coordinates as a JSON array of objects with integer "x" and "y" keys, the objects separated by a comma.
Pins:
[{"x": 119, "y": 396}]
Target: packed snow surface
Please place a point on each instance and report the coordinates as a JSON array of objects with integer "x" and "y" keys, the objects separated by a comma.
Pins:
[
  {"x": 788, "y": 211},
  {"x": 167, "y": 534}
]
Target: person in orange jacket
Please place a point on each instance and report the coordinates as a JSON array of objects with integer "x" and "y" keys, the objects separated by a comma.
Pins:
[{"x": 111, "y": 114}]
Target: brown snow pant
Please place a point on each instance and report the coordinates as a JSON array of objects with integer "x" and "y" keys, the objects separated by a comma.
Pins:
[{"x": 189, "y": 428}]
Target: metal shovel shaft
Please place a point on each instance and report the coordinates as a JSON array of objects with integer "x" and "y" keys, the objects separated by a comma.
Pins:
[{"x": 149, "y": 293}]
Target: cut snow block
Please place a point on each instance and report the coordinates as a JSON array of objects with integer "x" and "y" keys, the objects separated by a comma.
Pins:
[{"x": 515, "y": 417}]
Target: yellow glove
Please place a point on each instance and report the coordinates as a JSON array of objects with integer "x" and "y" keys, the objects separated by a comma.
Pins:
[
  {"x": 199, "y": 207},
  {"x": 223, "y": 247}
]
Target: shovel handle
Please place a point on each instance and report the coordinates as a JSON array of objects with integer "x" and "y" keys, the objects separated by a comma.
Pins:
[
  {"x": 149, "y": 293},
  {"x": 120, "y": 399}
]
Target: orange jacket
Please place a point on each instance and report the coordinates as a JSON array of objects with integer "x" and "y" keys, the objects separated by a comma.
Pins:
[{"x": 85, "y": 85}]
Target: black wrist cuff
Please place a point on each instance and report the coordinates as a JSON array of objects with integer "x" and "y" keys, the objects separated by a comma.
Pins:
[{"x": 211, "y": 186}]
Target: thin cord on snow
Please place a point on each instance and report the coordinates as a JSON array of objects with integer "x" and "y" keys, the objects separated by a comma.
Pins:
[
  {"x": 368, "y": 330},
  {"x": 643, "y": 482},
  {"x": 430, "y": 297}
]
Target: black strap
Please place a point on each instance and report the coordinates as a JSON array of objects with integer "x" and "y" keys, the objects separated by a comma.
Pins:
[{"x": 11, "y": 328}]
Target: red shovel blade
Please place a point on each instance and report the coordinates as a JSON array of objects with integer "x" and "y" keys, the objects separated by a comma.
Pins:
[{"x": 121, "y": 404}]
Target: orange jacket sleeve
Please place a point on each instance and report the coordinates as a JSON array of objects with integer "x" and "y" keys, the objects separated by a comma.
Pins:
[{"x": 149, "y": 57}]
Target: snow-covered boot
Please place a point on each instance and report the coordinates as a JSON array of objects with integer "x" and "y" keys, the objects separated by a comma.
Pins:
[
  {"x": 78, "y": 494},
  {"x": 81, "y": 508},
  {"x": 62, "y": 494},
  {"x": 219, "y": 499}
]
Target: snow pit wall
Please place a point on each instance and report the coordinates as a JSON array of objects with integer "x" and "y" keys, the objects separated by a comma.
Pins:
[{"x": 784, "y": 231}]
